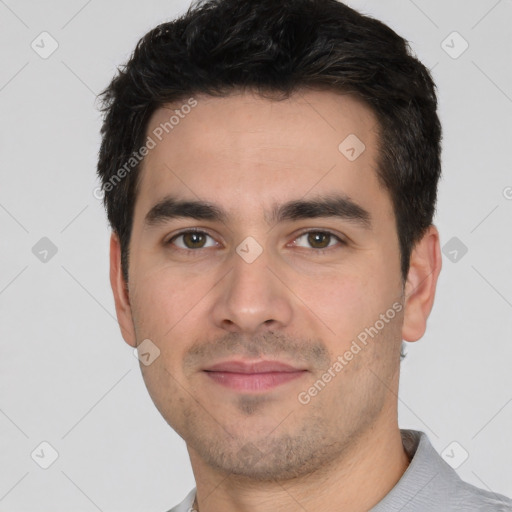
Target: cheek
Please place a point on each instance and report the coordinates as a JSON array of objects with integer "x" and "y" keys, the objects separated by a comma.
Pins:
[
  {"x": 162, "y": 300},
  {"x": 343, "y": 305},
  {"x": 161, "y": 307}
]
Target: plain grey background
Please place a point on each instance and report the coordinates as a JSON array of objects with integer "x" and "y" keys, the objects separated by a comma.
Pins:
[{"x": 66, "y": 376}]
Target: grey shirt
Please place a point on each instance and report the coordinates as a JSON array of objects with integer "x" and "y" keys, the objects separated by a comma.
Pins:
[{"x": 428, "y": 484}]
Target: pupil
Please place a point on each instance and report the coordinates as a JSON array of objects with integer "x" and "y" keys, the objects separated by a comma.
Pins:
[
  {"x": 319, "y": 239},
  {"x": 193, "y": 239}
]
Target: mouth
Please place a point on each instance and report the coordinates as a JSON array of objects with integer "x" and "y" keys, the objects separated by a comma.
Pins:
[{"x": 253, "y": 376}]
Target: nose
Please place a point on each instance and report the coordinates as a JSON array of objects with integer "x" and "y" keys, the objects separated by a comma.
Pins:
[{"x": 252, "y": 297}]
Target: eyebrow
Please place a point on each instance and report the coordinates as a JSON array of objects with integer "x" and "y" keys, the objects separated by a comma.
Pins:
[
  {"x": 171, "y": 208},
  {"x": 339, "y": 206}
]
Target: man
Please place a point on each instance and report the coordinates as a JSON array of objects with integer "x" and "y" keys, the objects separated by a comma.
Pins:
[{"x": 270, "y": 173}]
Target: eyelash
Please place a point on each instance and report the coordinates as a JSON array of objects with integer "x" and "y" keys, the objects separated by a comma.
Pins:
[
  {"x": 341, "y": 242},
  {"x": 319, "y": 252}
]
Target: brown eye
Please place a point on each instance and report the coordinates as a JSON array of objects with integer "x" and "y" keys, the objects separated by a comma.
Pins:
[
  {"x": 192, "y": 240},
  {"x": 319, "y": 239}
]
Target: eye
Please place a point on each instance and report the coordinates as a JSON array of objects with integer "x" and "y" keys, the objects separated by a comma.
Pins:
[
  {"x": 192, "y": 240},
  {"x": 318, "y": 240}
]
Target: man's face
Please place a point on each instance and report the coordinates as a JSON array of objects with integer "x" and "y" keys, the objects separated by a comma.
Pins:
[{"x": 262, "y": 281}]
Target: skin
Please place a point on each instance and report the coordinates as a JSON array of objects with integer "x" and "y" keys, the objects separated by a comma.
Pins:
[{"x": 251, "y": 451}]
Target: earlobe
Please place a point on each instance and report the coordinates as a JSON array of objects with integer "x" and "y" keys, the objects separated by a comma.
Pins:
[
  {"x": 420, "y": 288},
  {"x": 120, "y": 291}
]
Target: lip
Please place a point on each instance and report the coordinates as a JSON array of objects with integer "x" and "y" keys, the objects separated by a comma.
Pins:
[
  {"x": 240, "y": 366},
  {"x": 253, "y": 377}
]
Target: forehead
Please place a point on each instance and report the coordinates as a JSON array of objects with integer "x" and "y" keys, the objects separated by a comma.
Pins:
[{"x": 243, "y": 145}]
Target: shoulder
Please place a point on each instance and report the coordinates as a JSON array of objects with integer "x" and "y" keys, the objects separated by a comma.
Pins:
[
  {"x": 430, "y": 483},
  {"x": 469, "y": 498}
]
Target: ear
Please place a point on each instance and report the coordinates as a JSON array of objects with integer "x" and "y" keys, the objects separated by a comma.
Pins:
[
  {"x": 120, "y": 290},
  {"x": 420, "y": 287}
]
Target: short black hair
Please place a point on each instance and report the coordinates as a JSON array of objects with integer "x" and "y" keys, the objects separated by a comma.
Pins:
[{"x": 277, "y": 48}]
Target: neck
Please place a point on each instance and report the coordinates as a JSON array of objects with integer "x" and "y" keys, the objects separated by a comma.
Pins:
[{"x": 353, "y": 483}]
